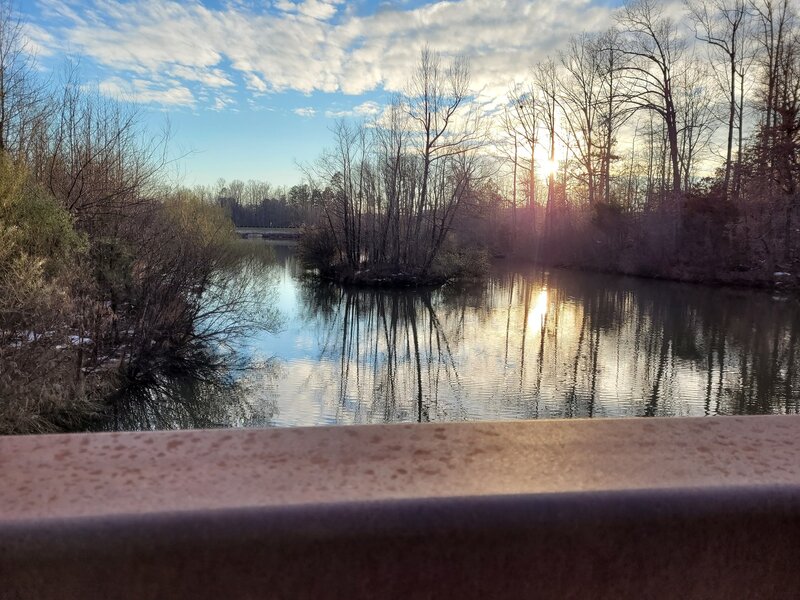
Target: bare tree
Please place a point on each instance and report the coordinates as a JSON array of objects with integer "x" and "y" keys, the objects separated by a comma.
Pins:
[
  {"x": 656, "y": 47},
  {"x": 723, "y": 25},
  {"x": 525, "y": 115},
  {"x": 22, "y": 96},
  {"x": 100, "y": 159},
  {"x": 546, "y": 79},
  {"x": 578, "y": 95},
  {"x": 695, "y": 118},
  {"x": 509, "y": 127},
  {"x": 446, "y": 125},
  {"x": 393, "y": 189},
  {"x": 613, "y": 109},
  {"x": 778, "y": 39},
  {"x": 519, "y": 124}
]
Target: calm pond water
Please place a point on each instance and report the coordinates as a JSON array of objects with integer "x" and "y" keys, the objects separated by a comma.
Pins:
[{"x": 528, "y": 343}]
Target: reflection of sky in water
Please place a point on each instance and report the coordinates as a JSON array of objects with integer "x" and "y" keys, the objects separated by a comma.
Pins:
[{"x": 526, "y": 344}]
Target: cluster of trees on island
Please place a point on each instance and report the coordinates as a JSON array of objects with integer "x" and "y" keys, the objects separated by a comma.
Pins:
[{"x": 393, "y": 190}]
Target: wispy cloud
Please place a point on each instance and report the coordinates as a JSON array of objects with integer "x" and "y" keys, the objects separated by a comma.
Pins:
[
  {"x": 310, "y": 45},
  {"x": 210, "y": 77},
  {"x": 255, "y": 83},
  {"x": 147, "y": 92},
  {"x": 37, "y": 40},
  {"x": 306, "y": 111},
  {"x": 315, "y": 9},
  {"x": 222, "y": 102},
  {"x": 365, "y": 109}
]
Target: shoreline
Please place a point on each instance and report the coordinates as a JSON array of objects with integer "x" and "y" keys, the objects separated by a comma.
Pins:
[{"x": 788, "y": 283}]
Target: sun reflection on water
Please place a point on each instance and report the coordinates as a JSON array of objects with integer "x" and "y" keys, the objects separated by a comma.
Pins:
[{"x": 538, "y": 310}]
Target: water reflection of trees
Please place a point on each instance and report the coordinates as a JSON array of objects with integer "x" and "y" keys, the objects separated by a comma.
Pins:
[
  {"x": 390, "y": 347},
  {"x": 208, "y": 397},
  {"x": 532, "y": 344},
  {"x": 216, "y": 385},
  {"x": 659, "y": 336}
]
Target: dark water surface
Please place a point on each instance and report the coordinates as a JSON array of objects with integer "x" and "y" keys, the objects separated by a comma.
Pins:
[{"x": 529, "y": 343}]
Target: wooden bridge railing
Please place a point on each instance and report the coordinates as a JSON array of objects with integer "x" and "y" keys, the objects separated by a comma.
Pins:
[{"x": 640, "y": 508}]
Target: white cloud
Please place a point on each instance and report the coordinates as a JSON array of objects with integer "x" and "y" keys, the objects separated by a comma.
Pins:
[
  {"x": 222, "y": 102},
  {"x": 212, "y": 77},
  {"x": 365, "y": 109},
  {"x": 255, "y": 83},
  {"x": 37, "y": 41},
  {"x": 302, "y": 47},
  {"x": 306, "y": 111},
  {"x": 315, "y": 9},
  {"x": 146, "y": 92}
]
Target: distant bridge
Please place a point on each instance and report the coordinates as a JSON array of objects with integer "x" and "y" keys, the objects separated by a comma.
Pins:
[{"x": 269, "y": 233}]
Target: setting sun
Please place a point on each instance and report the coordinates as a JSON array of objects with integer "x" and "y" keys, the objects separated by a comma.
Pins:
[
  {"x": 544, "y": 166},
  {"x": 549, "y": 167}
]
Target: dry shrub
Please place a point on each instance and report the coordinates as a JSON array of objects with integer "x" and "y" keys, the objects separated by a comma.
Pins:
[{"x": 42, "y": 380}]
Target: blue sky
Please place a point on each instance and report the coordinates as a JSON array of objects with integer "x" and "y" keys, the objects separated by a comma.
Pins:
[{"x": 251, "y": 87}]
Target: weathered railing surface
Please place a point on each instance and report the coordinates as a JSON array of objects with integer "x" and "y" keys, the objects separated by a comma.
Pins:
[{"x": 656, "y": 508}]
